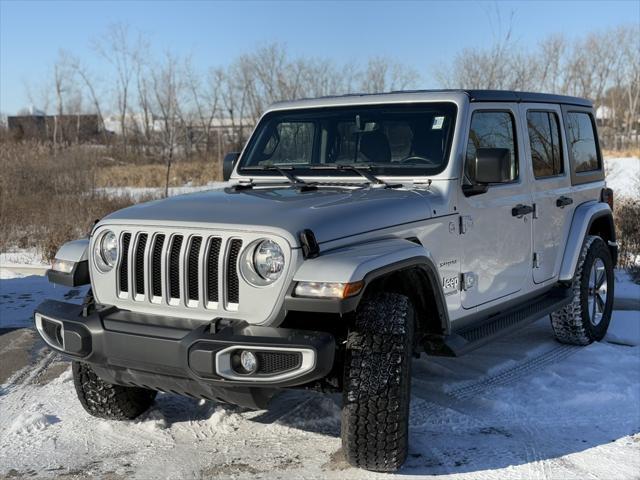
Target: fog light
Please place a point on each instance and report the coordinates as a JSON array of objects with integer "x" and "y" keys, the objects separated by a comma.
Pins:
[{"x": 248, "y": 361}]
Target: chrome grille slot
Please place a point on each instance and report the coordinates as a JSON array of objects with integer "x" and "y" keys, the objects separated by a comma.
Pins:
[
  {"x": 156, "y": 266},
  {"x": 193, "y": 270},
  {"x": 124, "y": 263},
  {"x": 174, "y": 267},
  {"x": 213, "y": 259},
  {"x": 139, "y": 265},
  {"x": 233, "y": 285}
]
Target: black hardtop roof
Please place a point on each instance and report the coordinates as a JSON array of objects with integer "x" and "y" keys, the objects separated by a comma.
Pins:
[
  {"x": 477, "y": 96},
  {"x": 524, "y": 97}
]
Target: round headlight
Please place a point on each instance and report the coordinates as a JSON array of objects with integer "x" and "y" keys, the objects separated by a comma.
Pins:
[
  {"x": 268, "y": 260},
  {"x": 106, "y": 251}
]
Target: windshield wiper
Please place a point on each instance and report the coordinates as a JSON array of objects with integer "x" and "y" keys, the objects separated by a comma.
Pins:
[
  {"x": 363, "y": 171},
  {"x": 286, "y": 172}
]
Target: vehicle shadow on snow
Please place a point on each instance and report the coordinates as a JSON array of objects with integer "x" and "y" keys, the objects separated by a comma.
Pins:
[
  {"x": 438, "y": 451},
  {"x": 523, "y": 399},
  {"x": 303, "y": 410}
]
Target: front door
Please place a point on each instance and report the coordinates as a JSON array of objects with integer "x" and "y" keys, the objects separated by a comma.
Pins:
[
  {"x": 496, "y": 241},
  {"x": 550, "y": 185}
]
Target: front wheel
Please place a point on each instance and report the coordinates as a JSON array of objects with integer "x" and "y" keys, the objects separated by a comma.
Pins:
[
  {"x": 377, "y": 383},
  {"x": 105, "y": 400},
  {"x": 586, "y": 319}
]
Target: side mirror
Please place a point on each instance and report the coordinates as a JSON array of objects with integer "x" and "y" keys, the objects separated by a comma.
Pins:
[
  {"x": 228, "y": 163},
  {"x": 492, "y": 165}
]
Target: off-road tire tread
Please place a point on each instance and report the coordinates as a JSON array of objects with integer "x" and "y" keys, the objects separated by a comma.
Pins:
[
  {"x": 377, "y": 383},
  {"x": 570, "y": 324},
  {"x": 104, "y": 400}
]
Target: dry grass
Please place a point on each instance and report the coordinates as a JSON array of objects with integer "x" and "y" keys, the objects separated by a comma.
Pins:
[
  {"x": 630, "y": 152},
  {"x": 48, "y": 198},
  {"x": 195, "y": 172}
]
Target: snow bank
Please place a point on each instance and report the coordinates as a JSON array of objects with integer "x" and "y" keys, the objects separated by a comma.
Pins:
[
  {"x": 138, "y": 193},
  {"x": 623, "y": 176},
  {"x": 626, "y": 329}
]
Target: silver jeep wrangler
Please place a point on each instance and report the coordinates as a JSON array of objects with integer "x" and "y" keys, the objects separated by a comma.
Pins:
[{"x": 356, "y": 233}]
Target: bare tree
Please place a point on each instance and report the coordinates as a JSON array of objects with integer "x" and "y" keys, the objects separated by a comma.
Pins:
[
  {"x": 116, "y": 47},
  {"x": 168, "y": 86},
  {"x": 204, "y": 94},
  {"x": 87, "y": 79},
  {"x": 383, "y": 74},
  {"x": 62, "y": 79}
]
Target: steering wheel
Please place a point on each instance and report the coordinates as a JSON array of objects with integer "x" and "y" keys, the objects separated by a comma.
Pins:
[{"x": 415, "y": 158}]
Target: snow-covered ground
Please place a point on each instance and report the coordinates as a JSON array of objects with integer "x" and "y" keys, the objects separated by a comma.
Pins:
[
  {"x": 623, "y": 176},
  {"x": 524, "y": 407},
  {"x": 157, "y": 192}
]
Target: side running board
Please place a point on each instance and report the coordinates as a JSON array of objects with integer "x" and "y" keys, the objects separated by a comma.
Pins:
[{"x": 472, "y": 337}]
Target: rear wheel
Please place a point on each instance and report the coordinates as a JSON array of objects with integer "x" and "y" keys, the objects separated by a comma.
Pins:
[
  {"x": 377, "y": 383},
  {"x": 586, "y": 319},
  {"x": 105, "y": 400}
]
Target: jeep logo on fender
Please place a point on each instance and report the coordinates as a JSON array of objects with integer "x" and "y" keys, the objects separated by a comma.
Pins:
[{"x": 449, "y": 283}]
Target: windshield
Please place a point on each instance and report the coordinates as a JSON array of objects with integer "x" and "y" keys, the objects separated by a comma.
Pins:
[{"x": 390, "y": 140}]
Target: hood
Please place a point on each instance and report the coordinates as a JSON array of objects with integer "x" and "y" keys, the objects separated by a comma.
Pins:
[{"x": 331, "y": 213}]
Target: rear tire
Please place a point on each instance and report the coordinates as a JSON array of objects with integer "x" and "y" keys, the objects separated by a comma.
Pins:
[
  {"x": 104, "y": 400},
  {"x": 586, "y": 319},
  {"x": 377, "y": 383}
]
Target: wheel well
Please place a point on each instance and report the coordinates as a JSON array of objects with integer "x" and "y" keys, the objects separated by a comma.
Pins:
[
  {"x": 416, "y": 284},
  {"x": 603, "y": 227}
]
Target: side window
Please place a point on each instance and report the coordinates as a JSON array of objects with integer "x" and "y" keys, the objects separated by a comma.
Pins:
[
  {"x": 582, "y": 142},
  {"x": 491, "y": 130},
  {"x": 544, "y": 138}
]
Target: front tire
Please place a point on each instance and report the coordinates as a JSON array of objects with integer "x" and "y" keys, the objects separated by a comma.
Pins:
[
  {"x": 105, "y": 400},
  {"x": 586, "y": 319},
  {"x": 377, "y": 383}
]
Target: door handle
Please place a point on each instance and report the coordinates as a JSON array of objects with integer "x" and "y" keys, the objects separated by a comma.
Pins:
[
  {"x": 563, "y": 201},
  {"x": 520, "y": 210}
]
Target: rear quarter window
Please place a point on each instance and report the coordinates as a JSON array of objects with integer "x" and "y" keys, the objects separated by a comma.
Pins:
[{"x": 581, "y": 140}]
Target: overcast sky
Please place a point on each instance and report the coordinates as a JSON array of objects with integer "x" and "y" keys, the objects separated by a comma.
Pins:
[{"x": 423, "y": 34}]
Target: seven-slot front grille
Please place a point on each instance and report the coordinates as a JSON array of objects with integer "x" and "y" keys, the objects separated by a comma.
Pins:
[{"x": 179, "y": 269}]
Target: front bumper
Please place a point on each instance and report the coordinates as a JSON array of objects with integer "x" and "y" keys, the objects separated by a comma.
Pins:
[{"x": 184, "y": 356}]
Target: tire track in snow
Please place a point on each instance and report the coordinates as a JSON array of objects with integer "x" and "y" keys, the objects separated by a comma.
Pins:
[
  {"x": 462, "y": 398},
  {"x": 515, "y": 373},
  {"x": 28, "y": 374}
]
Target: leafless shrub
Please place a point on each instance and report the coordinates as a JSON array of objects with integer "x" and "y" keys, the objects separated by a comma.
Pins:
[
  {"x": 627, "y": 220},
  {"x": 46, "y": 198}
]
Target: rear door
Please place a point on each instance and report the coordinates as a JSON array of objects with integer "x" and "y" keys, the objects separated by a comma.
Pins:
[{"x": 550, "y": 185}]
